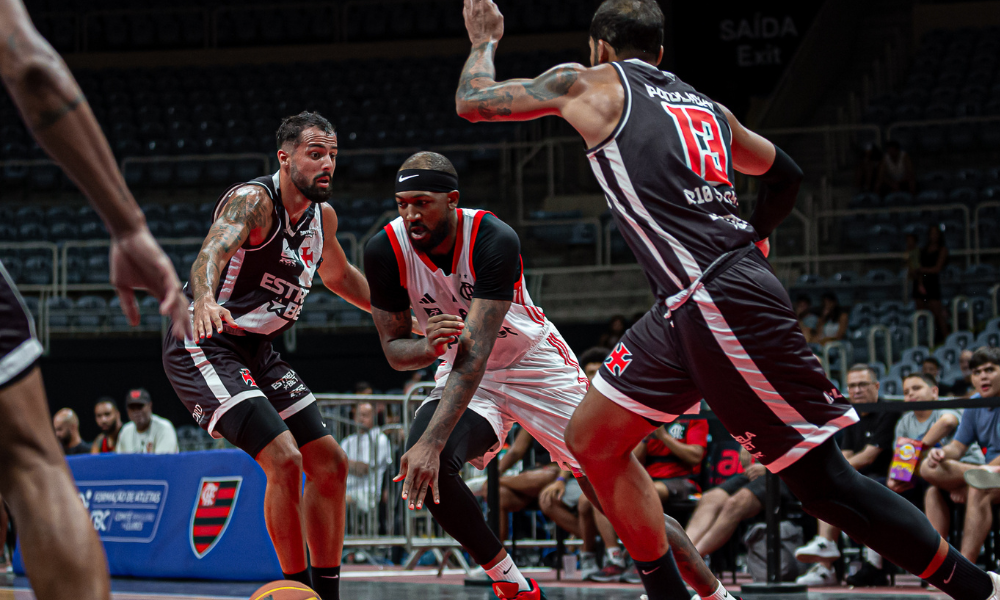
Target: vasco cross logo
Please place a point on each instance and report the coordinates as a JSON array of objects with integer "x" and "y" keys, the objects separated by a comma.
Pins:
[{"x": 619, "y": 360}]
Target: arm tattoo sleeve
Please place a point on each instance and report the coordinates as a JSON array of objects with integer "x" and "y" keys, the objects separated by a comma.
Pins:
[
  {"x": 402, "y": 351},
  {"x": 495, "y": 101},
  {"x": 248, "y": 208},
  {"x": 481, "y": 328}
]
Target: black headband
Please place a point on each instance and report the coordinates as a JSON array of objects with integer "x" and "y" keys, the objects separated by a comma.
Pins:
[{"x": 423, "y": 180}]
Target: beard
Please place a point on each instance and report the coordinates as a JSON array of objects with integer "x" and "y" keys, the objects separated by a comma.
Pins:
[
  {"x": 433, "y": 238},
  {"x": 310, "y": 189}
]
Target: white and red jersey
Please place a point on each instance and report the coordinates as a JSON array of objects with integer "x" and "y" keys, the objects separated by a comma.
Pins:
[{"x": 432, "y": 292}]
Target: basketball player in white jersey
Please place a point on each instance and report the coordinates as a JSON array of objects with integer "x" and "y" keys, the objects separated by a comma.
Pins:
[
  {"x": 722, "y": 328},
  {"x": 62, "y": 554},
  {"x": 460, "y": 271}
]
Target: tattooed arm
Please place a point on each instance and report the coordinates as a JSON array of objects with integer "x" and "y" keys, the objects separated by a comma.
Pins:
[
  {"x": 420, "y": 464},
  {"x": 340, "y": 276},
  {"x": 407, "y": 354},
  {"x": 247, "y": 215},
  {"x": 60, "y": 120}
]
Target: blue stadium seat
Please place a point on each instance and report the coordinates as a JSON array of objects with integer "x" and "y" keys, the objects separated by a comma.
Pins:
[
  {"x": 91, "y": 310},
  {"x": 988, "y": 338},
  {"x": 993, "y": 324},
  {"x": 97, "y": 269},
  {"x": 891, "y": 386},
  {"x": 948, "y": 355},
  {"x": 915, "y": 355},
  {"x": 59, "y": 310},
  {"x": 962, "y": 339}
]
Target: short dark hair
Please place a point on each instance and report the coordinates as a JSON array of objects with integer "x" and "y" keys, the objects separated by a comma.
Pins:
[
  {"x": 429, "y": 161},
  {"x": 292, "y": 127},
  {"x": 362, "y": 386},
  {"x": 984, "y": 355},
  {"x": 934, "y": 361},
  {"x": 803, "y": 298},
  {"x": 858, "y": 367},
  {"x": 927, "y": 379},
  {"x": 597, "y": 354},
  {"x": 630, "y": 27}
]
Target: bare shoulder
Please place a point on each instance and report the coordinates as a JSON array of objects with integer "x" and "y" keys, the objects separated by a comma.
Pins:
[
  {"x": 598, "y": 107},
  {"x": 247, "y": 201},
  {"x": 330, "y": 220}
]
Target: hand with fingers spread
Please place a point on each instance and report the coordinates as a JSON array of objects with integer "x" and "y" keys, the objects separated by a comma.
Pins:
[
  {"x": 483, "y": 21},
  {"x": 418, "y": 469},
  {"x": 209, "y": 315},
  {"x": 443, "y": 330},
  {"x": 138, "y": 262},
  {"x": 554, "y": 492}
]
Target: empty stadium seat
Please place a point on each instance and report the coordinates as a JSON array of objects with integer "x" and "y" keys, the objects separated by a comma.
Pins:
[
  {"x": 948, "y": 354},
  {"x": 962, "y": 339},
  {"x": 891, "y": 386},
  {"x": 988, "y": 338},
  {"x": 915, "y": 355},
  {"x": 903, "y": 369}
]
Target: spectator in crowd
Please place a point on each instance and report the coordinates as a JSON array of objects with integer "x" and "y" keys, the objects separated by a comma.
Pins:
[
  {"x": 944, "y": 470},
  {"x": 807, "y": 317},
  {"x": 895, "y": 173},
  {"x": 962, "y": 388},
  {"x": 363, "y": 388},
  {"x": 868, "y": 167},
  {"x": 145, "y": 433},
  {"x": 932, "y": 368},
  {"x": 868, "y": 446},
  {"x": 833, "y": 319},
  {"x": 615, "y": 331},
  {"x": 927, "y": 280},
  {"x": 519, "y": 492},
  {"x": 369, "y": 454},
  {"x": 722, "y": 508},
  {"x": 672, "y": 455},
  {"x": 67, "y": 426},
  {"x": 109, "y": 421}
]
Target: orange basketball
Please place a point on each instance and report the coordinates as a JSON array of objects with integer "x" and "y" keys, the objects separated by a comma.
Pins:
[{"x": 285, "y": 590}]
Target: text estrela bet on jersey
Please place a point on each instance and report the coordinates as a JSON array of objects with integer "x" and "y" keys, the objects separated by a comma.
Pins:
[
  {"x": 667, "y": 174},
  {"x": 264, "y": 286},
  {"x": 433, "y": 293}
]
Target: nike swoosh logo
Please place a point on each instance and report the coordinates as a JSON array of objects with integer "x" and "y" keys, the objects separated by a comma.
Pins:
[
  {"x": 402, "y": 179},
  {"x": 952, "y": 574},
  {"x": 508, "y": 569},
  {"x": 330, "y": 576},
  {"x": 645, "y": 572}
]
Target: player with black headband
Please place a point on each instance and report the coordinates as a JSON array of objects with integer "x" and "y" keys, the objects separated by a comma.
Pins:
[
  {"x": 269, "y": 238},
  {"x": 460, "y": 271},
  {"x": 722, "y": 328}
]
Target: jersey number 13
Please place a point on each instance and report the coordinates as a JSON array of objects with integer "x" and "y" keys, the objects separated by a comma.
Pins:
[{"x": 699, "y": 131}]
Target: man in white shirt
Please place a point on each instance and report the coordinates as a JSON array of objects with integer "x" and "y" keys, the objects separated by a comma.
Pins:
[
  {"x": 145, "y": 433},
  {"x": 364, "y": 483}
]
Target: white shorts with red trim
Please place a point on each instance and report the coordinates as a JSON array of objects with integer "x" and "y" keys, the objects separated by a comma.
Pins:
[{"x": 540, "y": 392}]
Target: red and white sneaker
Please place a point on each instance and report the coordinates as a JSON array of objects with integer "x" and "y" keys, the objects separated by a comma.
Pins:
[{"x": 508, "y": 590}]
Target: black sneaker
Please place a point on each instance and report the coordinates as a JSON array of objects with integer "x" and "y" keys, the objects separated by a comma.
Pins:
[
  {"x": 868, "y": 576},
  {"x": 610, "y": 572}
]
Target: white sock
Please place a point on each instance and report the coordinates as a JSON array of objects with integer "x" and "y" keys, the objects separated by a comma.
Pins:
[
  {"x": 720, "y": 593},
  {"x": 506, "y": 570},
  {"x": 614, "y": 555}
]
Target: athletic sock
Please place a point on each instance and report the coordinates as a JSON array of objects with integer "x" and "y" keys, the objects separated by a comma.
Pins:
[
  {"x": 720, "y": 593},
  {"x": 961, "y": 579},
  {"x": 506, "y": 570},
  {"x": 661, "y": 578},
  {"x": 301, "y": 577},
  {"x": 326, "y": 582},
  {"x": 614, "y": 555}
]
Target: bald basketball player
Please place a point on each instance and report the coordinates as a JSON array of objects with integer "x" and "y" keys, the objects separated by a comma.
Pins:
[
  {"x": 62, "y": 554},
  {"x": 722, "y": 328}
]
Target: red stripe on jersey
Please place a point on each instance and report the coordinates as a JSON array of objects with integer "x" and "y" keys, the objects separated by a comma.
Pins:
[
  {"x": 212, "y": 512},
  {"x": 400, "y": 262},
  {"x": 472, "y": 237},
  {"x": 225, "y": 493}
]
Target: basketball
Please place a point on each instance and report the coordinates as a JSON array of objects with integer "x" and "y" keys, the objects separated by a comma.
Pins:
[{"x": 285, "y": 590}]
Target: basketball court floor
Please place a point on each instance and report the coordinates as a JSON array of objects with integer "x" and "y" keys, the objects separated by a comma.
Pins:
[{"x": 385, "y": 585}]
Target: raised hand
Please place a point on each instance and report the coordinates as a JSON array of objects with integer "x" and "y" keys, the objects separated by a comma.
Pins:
[{"x": 483, "y": 21}]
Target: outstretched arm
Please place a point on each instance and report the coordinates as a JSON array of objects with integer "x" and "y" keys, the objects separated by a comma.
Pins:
[
  {"x": 62, "y": 123},
  {"x": 421, "y": 462},
  {"x": 340, "y": 276}
]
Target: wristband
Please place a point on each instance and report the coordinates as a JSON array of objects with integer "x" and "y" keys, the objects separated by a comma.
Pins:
[{"x": 561, "y": 478}]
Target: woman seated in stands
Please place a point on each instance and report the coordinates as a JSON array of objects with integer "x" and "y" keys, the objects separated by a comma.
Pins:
[{"x": 832, "y": 325}]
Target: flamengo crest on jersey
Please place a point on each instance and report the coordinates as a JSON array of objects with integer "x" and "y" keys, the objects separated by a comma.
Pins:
[
  {"x": 667, "y": 174},
  {"x": 264, "y": 286},
  {"x": 433, "y": 293}
]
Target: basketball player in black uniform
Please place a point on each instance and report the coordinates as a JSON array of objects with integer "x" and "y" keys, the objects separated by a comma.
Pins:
[
  {"x": 722, "y": 327},
  {"x": 62, "y": 553},
  {"x": 270, "y": 237}
]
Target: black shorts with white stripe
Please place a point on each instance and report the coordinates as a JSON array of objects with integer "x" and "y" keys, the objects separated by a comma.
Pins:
[
  {"x": 225, "y": 371},
  {"x": 19, "y": 346},
  {"x": 737, "y": 344}
]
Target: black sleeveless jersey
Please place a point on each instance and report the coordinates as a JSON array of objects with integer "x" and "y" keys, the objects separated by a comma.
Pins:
[
  {"x": 264, "y": 286},
  {"x": 667, "y": 174}
]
